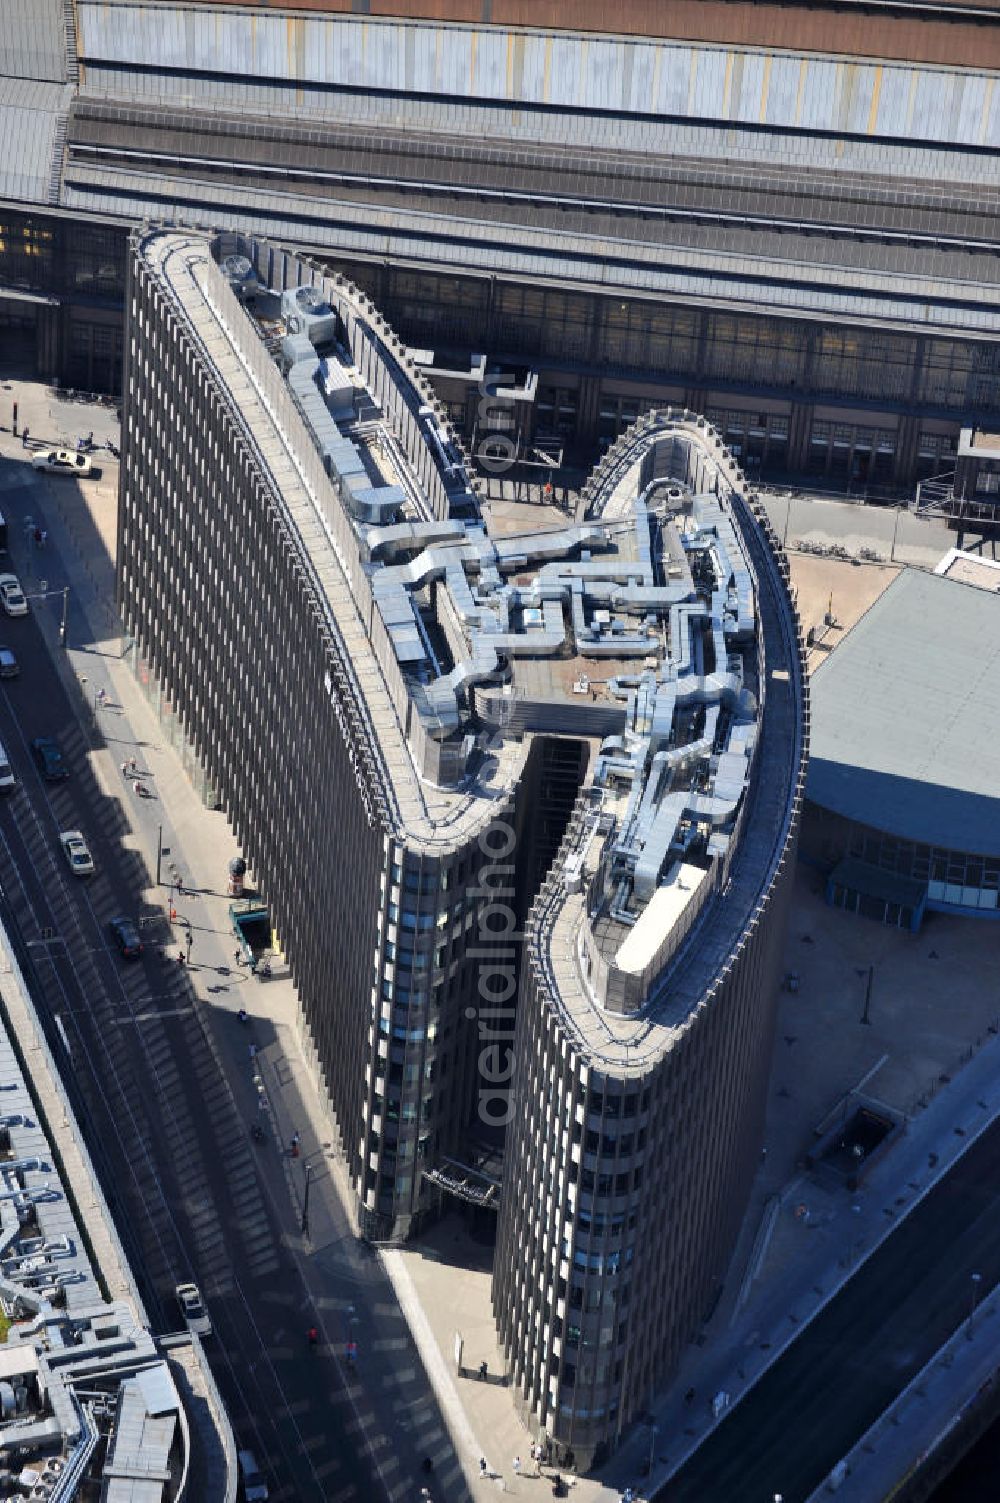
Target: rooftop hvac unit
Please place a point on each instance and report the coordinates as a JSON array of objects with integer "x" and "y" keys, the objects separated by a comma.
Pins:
[
  {"x": 237, "y": 268},
  {"x": 239, "y": 273},
  {"x": 306, "y": 311},
  {"x": 310, "y": 300}
]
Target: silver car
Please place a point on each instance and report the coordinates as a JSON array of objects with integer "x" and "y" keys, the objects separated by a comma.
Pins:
[
  {"x": 193, "y": 1309},
  {"x": 12, "y": 596}
]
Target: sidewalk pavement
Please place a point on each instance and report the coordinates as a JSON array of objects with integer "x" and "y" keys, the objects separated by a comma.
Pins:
[{"x": 785, "y": 1268}]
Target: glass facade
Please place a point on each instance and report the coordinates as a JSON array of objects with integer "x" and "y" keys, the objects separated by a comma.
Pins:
[
  {"x": 953, "y": 878},
  {"x": 571, "y": 336}
]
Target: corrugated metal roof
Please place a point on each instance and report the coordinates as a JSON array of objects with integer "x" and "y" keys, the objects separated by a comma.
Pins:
[
  {"x": 138, "y": 1464},
  {"x": 551, "y": 71},
  {"x": 905, "y": 732},
  {"x": 739, "y": 279},
  {"x": 29, "y": 116},
  {"x": 33, "y": 39},
  {"x": 502, "y": 123}
]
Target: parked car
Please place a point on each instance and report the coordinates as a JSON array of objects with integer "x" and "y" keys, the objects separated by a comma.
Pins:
[
  {"x": 126, "y": 936},
  {"x": 77, "y": 853},
  {"x": 12, "y": 596},
  {"x": 49, "y": 759},
  {"x": 193, "y": 1309},
  {"x": 9, "y": 666},
  {"x": 254, "y": 1486},
  {"x": 62, "y": 462}
]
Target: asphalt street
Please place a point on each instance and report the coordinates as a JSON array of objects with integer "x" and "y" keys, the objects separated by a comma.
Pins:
[
  {"x": 168, "y": 1135},
  {"x": 850, "y": 1363}
]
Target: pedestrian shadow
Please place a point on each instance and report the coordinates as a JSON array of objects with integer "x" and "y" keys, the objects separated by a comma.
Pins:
[{"x": 476, "y": 1374}]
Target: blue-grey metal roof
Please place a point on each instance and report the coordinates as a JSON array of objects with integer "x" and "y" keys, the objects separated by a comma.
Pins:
[
  {"x": 905, "y": 732},
  {"x": 30, "y": 113},
  {"x": 33, "y": 39}
]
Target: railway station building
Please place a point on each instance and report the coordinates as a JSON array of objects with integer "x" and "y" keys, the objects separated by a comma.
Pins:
[{"x": 781, "y": 217}]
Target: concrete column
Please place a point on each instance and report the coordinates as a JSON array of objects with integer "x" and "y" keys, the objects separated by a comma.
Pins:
[
  {"x": 599, "y": 305},
  {"x": 49, "y": 341},
  {"x": 905, "y": 461},
  {"x": 588, "y": 406},
  {"x": 799, "y": 429},
  {"x": 490, "y": 316}
]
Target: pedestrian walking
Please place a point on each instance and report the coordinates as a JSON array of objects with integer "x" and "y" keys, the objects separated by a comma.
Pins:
[
  {"x": 124, "y": 769},
  {"x": 484, "y": 1368},
  {"x": 517, "y": 1466},
  {"x": 102, "y": 695},
  {"x": 43, "y": 539},
  {"x": 24, "y": 439},
  {"x": 38, "y": 537},
  {"x": 180, "y": 957},
  {"x": 133, "y": 765},
  {"x": 253, "y": 1051},
  {"x": 482, "y": 1466},
  {"x": 238, "y": 957}
]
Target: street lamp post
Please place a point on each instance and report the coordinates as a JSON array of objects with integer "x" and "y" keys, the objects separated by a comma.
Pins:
[
  {"x": 305, "y": 1201},
  {"x": 976, "y": 1281},
  {"x": 866, "y": 1016}
]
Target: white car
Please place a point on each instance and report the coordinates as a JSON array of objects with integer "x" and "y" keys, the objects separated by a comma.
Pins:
[
  {"x": 254, "y": 1486},
  {"x": 81, "y": 862},
  {"x": 12, "y": 596},
  {"x": 193, "y": 1309},
  {"x": 62, "y": 462}
]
